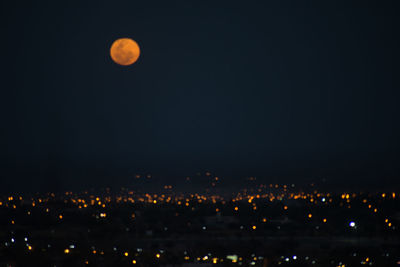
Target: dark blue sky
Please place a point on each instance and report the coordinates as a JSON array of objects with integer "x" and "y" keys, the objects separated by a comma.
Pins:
[{"x": 285, "y": 89}]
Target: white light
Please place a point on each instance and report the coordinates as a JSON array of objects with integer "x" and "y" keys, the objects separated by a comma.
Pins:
[
  {"x": 323, "y": 199},
  {"x": 26, "y": 239},
  {"x": 12, "y": 240},
  {"x": 232, "y": 257},
  {"x": 295, "y": 257},
  {"x": 286, "y": 259},
  {"x": 352, "y": 224},
  {"x": 204, "y": 228},
  {"x": 72, "y": 246}
]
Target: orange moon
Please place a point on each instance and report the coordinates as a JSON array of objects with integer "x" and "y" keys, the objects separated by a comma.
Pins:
[{"x": 124, "y": 51}]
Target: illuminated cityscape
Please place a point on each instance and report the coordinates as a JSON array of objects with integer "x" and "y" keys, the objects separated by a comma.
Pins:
[{"x": 262, "y": 225}]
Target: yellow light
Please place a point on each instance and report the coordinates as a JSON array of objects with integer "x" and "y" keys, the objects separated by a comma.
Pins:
[
  {"x": 66, "y": 251},
  {"x": 324, "y": 220},
  {"x": 264, "y": 220},
  {"x": 285, "y": 208},
  {"x": 94, "y": 251},
  {"x": 29, "y": 247},
  {"x": 254, "y": 227},
  {"x": 215, "y": 260},
  {"x": 389, "y": 224},
  {"x": 157, "y": 256},
  {"x": 375, "y": 210},
  {"x": 367, "y": 259},
  {"x": 134, "y": 261},
  {"x": 310, "y": 215},
  {"x": 126, "y": 254},
  {"x": 155, "y": 201},
  {"x": 236, "y": 208},
  {"x": 383, "y": 195},
  {"x": 60, "y": 216},
  {"x": 386, "y": 220}
]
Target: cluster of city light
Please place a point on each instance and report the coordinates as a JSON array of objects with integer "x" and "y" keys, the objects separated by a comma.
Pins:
[
  {"x": 206, "y": 258},
  {"x": 86, "y": 200},
  {"x": 236, "y": 203}
]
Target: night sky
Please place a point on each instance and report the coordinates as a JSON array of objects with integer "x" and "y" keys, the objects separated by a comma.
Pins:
[{"x": 287, "y": 90}]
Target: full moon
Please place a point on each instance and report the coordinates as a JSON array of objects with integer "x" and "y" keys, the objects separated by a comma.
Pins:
[{"x": 124, "y": 51}]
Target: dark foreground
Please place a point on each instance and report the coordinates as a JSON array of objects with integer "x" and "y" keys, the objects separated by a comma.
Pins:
[{"x": 269, "y": 225}]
